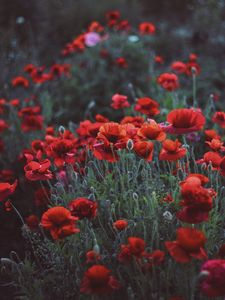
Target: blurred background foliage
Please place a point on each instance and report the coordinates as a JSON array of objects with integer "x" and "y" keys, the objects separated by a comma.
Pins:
[
  {"x": 36, "y": 31},
  {"x": 46, "y": 25}
]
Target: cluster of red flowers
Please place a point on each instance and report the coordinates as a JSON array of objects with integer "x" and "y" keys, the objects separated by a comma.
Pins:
[
  {"x": 197, "y": 201},
  {"x": 60, "y": 221},
  {"x": 135, "y": 249},
  {"x": 31, "y": 118},
  {"x": 189, "y": 244},
  {"x": 142, "y": 134},
  {"x": 189, "y": 68}
]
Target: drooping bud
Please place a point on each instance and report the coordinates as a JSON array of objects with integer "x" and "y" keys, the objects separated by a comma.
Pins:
[{"x": 130, "y": 145}]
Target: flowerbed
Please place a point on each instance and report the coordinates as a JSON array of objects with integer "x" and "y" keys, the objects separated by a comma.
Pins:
[{"x": 127, "y": 204}]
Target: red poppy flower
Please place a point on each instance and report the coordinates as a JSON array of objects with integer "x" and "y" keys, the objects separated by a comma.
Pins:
[
  {"x": 8, "y": 206},
  {"x": 14, "y": 102},
  {"x": 155, "y": 258},
  {"x": 3, "y": 125},
  {"x": 32, "y": 123},
  {"x": 193, "y": 57},
  {"x": 159, "y": 59},
  {"x": 98, "y": 280},
  {"x": 59, "y": 69},
  {"x": 219, "y": 118},
  {"x": 95, "y": 27},
  {"x": 184, "y": 120},
  {"x": 121, "y": 62},
  {"x": 105, "y": 152},
  {"x": 20, "y": 81},
  {"x": 192, "y": 67},
  {"x": 212, "y": 278},
  {"x": 32, "y": 222},
  {"x": 7, "y": 189},
  {"x": 212, "y": 158},
  {"x": 178, "y": 67},
  {"x": 125, "y": 255},
  {"x": 136, "y": 246},
  {"x": 189, "y": 244},
  {"x": 101, "y": 119},
  {"x": 120, "y": 224},
  {"x": 168, "y": 81},
  {"x": 62, "y": 150},
  {"x": 113, "y": 135},
  {"x": 83, "y": 208},
  {"x": 119, "y": 101},
  {"x": 147, "y": 106},
  {"x": 216, "y": 145},
  {"x": 123, "y": 25},
  {"x": 144, "y": 149},
  {"x": 113, "y": 15},
  {"x": 191, "y": 179},
  {"x": 172, "y": 150},
  {"x": 211, "y": 134},
  {"x": 151, "y": 131},
  {"x": 29, "y": 68},
  {"x": 168, "y": 199},
  {"x": 137, "y": 121},
  {"x": 38, "y": 170},
  {"x": 59, "y": 221},
  {"x": 92, "y": 256},
  {"x": 196, "y": 202},
  {"x": 2, "y": 105},
  {"x": 29, "y": 111},
  {"x": 147, "y": 28}
]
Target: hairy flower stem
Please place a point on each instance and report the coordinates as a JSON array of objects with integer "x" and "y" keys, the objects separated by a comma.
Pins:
[{"x": 195, "y": 104}]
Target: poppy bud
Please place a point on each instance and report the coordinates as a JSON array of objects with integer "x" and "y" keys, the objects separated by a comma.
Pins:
[
  {"x": 61, "y": 130},
  {"x": 130, "y": 145},
  {"x": 193, "y": 71},
  {"x": 167, "y": 216},
  {"x": 96, "y": 249}
]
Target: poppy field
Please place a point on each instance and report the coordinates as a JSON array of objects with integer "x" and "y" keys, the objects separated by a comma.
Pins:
[{"x": 112, "y": 172}]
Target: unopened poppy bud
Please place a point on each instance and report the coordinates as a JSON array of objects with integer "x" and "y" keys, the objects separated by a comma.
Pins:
[
  {"x": 209, "y": 167},
  {"x": 60, "y": 188},
  {"x": 133, "y": 38},
  {"x": 130, "y": 145},
  {"x": 211, "y": 96},
  {"x": 135, "y": 196},
  {"x": 167, "y": 216},
  {"x": 20, "y": 20},
  {"x": 130, "y": 86},
  {"x": 107, "y": 202},
  {"x": 203, "y": 274},
  {"x": 130, "y": 293},
  {"x": 186, "y": 146},
  {"x": 61, "y": 130},
  {"x": 91, "y": 104},
  {"x": 92, "y": 189},
  {"x": 203, "y": 166},
  {"x": 193, "y": 71},
  {"x": 96, "y": 249}
]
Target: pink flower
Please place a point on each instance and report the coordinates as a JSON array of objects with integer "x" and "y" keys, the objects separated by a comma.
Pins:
[{"x": 92, "y": 39}]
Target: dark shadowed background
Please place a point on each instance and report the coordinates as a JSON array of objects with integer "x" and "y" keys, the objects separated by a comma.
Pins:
[{"x": 35, "y": 31}]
